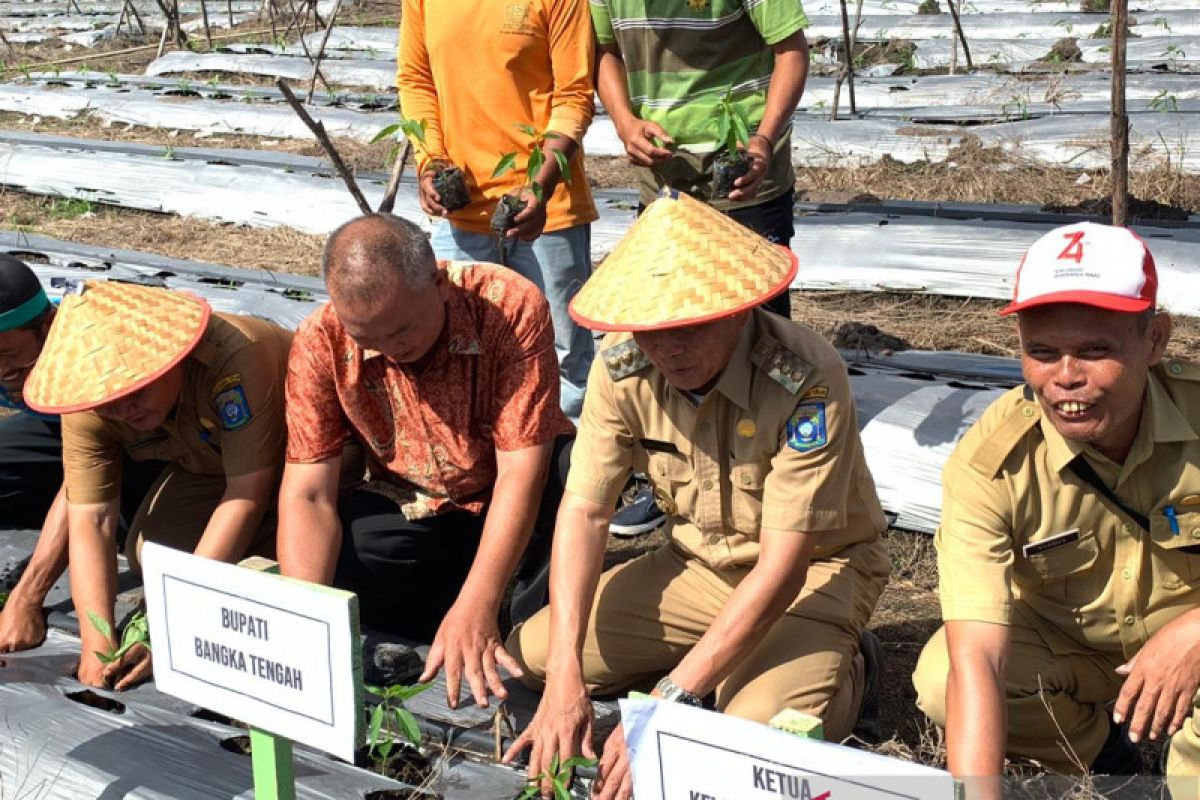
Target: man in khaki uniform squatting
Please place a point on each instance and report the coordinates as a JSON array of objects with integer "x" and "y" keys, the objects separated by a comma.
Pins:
[
  {"x": 1069, "y": 546},
  {"x": 745, "y": 424},
  {"x": 154, "y": 374}
]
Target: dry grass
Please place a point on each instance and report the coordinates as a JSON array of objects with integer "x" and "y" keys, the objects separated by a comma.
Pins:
[{"x": 180, "y": 237}]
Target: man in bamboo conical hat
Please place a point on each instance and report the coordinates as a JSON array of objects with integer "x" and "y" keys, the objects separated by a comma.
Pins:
[
  {"x": 156, "y": 375},
  {"x": 744, "y": 422},
  {"x": 31, "y": 476}
]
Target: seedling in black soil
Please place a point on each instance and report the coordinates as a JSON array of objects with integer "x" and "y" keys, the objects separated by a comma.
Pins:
[
  {"x": 137, "y": 631},
  {"x": 511, "y": 204},
  {"x": 391, "y": 716},
  {"x": 733, "y": 134},
  {"x": 448, "y": 180},
  {"x": 559, "y": 775}
]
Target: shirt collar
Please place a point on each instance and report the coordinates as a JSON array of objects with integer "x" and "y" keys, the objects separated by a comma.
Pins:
[
  {"x": 734, "y": 382},
  {"x": 1162, "y": 422}
]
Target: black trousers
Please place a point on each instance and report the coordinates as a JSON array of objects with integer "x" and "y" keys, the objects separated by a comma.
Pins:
[
  {"x": 774, "y": 220},
  {"x": 31, "y": 472},
  {"x": 407, "y": 574}
]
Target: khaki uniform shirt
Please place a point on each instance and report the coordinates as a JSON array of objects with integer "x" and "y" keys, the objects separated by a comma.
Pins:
[
  {"x": 229, "y": 420},
  {"x": 1022, "y": 533},
  {"x": 774, "y": 444}
]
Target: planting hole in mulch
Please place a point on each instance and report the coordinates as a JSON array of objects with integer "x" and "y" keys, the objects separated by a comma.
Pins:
[
  {"x": 237, "y": 744},
  {"x": 90, "y": 698},
  {"x": 407, "y": 765},
  {"x": 213, "y": 716}
]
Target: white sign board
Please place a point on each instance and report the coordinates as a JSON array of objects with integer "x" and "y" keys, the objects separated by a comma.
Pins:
[
  {"x": 682, "y": 753},
  {"x": 278, "y": 654}
]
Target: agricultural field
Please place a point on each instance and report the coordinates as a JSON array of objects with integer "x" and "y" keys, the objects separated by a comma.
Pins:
[{"x": 122, "y": 130}]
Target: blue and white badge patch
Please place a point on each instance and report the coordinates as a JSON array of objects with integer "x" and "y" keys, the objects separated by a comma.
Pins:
[
  {"x": 233, "y": 408},
  {"x": 806, "y": 429}
]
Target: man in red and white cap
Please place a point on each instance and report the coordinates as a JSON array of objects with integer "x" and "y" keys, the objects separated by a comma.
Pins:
[{"x": 1069, "y": 545}]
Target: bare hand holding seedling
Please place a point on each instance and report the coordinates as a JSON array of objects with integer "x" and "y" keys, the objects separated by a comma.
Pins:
[
  {"x": 468, "y": 643},
  {"x": 758, "y": 151},
  {"x": 133, "y": 667},
  {"x": 561, "y": 729},
  {"x": 1161, "y": 680},
  {"x": 530, "y": 221},
  {"x": 646, "y": 143},
  {"x": 431, "y": 201},
  {"x": 521, "y": 213},
  {"x": 122, "y": 667}
]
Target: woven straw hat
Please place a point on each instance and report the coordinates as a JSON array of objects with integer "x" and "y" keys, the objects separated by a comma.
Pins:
[
  {"x": 682, "y": 263},
  {"x": 111, "y": 341}
]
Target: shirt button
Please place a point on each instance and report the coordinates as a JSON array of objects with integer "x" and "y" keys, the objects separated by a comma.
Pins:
[
  {"x": 1029, "y": 411},
  {"x": 1196, "y": 533},
  {"x": 705, "y": 427},
  {"x": 1130, "y": 620},
  {"x": 1126, "y": 574},
  {"x": 1176, "y": 368},
  {"x": 1125, "y": 526},
  {"x": 707, "y": 486},
  {"x": 714, "y": 538},
  {"x": 748, "y": 479}
]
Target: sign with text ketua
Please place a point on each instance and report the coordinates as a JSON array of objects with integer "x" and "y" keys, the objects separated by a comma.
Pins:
[
  {"x": 683, "y": 753},
  {"x": 278, "y": 654}
]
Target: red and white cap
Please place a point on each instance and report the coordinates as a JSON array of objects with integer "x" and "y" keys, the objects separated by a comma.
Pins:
[{"x": 1090, "y": 264}]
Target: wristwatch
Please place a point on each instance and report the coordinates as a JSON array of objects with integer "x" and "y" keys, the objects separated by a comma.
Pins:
[{"x": 672, "y": 693}]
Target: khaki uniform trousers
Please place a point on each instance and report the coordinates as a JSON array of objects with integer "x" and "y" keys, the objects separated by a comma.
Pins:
[
  {"x": 177, "y": 510},
  {"x": 1077, "y": 688},
  {"x": 649, "y": 612}
]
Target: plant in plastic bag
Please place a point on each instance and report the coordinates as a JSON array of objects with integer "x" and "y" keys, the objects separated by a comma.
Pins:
[
  {"x": 390, "y": 716},
  {"x": 511, "y": 204},
  {"x": 733, "y": 134},
  {"x": 137, "y": 631},
  {"x": 448, "y": 180},
  {"x": 559, "y": 775}
]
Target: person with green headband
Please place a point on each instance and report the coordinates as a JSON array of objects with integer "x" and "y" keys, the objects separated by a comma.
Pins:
[{"x": 31, "y": 473}]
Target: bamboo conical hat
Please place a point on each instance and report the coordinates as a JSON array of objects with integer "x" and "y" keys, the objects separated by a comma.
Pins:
[
  {"x": 109, "y": 342},
  {"x": 682, "y": 263}
]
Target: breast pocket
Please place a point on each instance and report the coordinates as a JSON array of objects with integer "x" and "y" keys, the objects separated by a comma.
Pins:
[
  {"x": 746, "y": 496},
  {"x": 1057, "y": 564},
  {"x": 1176, "y": 554},
  {"x": 669, "y": 472}
]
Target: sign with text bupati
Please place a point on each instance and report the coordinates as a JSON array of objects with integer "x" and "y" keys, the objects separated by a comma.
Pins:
[
  {"x": 682, "y": 753},
  {"x": 278, "y": 654}
]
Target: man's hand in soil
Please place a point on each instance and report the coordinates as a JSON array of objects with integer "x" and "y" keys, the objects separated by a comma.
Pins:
[
  {"x": 1161, "y": 680},
  {"x": 639, "y": 138},
  {"x": 431, "y": 201},
  {"x": 528, "y": 224},
  {"x": 22, "y": 626},
  {"x": 758, "y": 151},
  {"x": 468, "y": 643},
  {"x": 562, "y": 726},
  {"x": 615, "y": 780}
]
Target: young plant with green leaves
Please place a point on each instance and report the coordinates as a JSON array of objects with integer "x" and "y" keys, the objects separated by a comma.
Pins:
[
  {"x": 733, "y": 135},
  {"x": 511, "y": 204},
  {"x": 137, "y": 631},
  {"x": 390, "y": 716},
  {"x": 559, "y": 775},
  {"x": 448, "y": 180}
]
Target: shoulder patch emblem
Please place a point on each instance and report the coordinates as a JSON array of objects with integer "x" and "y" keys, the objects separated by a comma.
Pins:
[
  {"x": 806, "y": 429},
  {"x": 233, "y": 408},
  {"x": 624, "y": 359}
]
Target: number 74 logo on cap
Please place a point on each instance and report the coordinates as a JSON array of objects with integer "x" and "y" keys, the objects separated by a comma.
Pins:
[{"x": 1074, "y": 248}]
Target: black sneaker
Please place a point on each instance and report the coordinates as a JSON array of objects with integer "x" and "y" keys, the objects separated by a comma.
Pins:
[
  {"x": 640, "y": 515},
  {"x": 1118, "y": 755},
  {"x": 867, "y": 728}
]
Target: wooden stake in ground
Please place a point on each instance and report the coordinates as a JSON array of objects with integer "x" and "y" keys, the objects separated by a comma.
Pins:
[
  {"x": 393, "y": 187},
  {"x": 316, "y": 61},
  {"x": 849, "y": 43},
  {"x": 318, "y": 130},
  {"x": 1120, "y": 120},
  {"x": 958, "y": 31},
  {"x": 207, "y": 29}
]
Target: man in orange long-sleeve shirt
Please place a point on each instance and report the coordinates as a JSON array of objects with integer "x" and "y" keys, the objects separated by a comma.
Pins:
[{"x": 475, "y": 73}]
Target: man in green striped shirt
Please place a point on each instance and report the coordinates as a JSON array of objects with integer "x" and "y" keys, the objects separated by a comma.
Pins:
[{"x": 664, "y": 66}]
